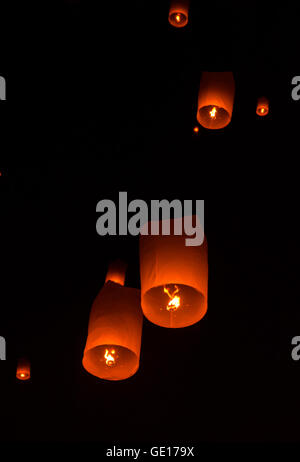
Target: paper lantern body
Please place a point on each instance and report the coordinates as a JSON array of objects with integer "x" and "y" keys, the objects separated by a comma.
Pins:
[
  {"x": 179, "y": 13},
  {"x": 113, "y": 345},
  {"x": 262, "y": 108},
  {"x": 215, "y": 99},
  {"x": 173, "y": 273},
  {"x": 23, "y": 369}
]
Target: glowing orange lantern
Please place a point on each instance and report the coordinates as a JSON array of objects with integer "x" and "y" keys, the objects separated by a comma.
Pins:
[
  {"x": 112, "y": 350},
  {"x": 23, "y": 369},
  {"x": 179, "y": 13},
  {"x": 116, "y": 272},
  {"x": 215, "y": 99},
  {"x": 174, "y": 279},
  {"x": 262, "y": 108}
]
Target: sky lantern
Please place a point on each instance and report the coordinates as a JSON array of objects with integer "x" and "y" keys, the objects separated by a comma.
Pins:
[
  {"x": 174, "y": 279},
  {"x": 23, "y": 369},
  {"x": 112, "y": 350},
  {"x": 179, "y": 13},
  {"x": 215, "y": 99},
  {"x": 262, "y": 108}
]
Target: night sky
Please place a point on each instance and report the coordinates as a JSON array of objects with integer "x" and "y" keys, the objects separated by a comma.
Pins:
[{"x": 102, "y": 99}]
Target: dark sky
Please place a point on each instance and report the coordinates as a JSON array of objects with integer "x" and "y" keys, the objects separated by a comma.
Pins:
[{"x": 102, "y": 99}]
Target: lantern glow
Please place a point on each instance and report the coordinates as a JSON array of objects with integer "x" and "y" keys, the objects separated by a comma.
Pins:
[
  {"x": 113, "y": 344},
  {"x": 262, "y": 108},
  {"x": 215, "y": 99},
  {"x": 174, "y": 279},
  {"x": 178, "y": 13},
  {"x": 23, "y": 370}
]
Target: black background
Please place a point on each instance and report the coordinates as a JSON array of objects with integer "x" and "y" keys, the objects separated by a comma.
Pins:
[{"x": 101, "y": 99}]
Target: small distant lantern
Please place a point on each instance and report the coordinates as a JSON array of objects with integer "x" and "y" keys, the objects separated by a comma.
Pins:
[
  {"x": 262, "y": 108},
  {"x": 112, "y": 350},
  {"x": 215, "y": 99},
  {"x": 23, "y": 369},
  {"x": 179, "y": 13},
  {"x": 174, "y": 279},
  {"x": 116, "y": 272}
]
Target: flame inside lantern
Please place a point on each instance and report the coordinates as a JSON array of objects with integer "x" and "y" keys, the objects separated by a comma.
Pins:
[
  {"x": 109, "y": 356},
  {"x": 213, "y": 113},
  {"x": 174, "y": 302}
]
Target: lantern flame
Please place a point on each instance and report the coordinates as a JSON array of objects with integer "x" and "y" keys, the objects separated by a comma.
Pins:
[
  {"x": 175, "y": 301},
  {"x": 213, "y": 112},
  {"x": 178, "y": 17},
  {"x": 110, "y": 360}
]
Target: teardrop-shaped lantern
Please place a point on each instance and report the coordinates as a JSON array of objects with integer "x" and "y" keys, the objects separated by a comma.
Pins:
[
  {"x": 23, "y": 369},
  {"x": 179, "y": 13},
  {"x": 174, "y": 279},
  {"x": 112, "y": 350},
  {"x": 262, "y": 108},
  {"x": 215, "y": 99}
]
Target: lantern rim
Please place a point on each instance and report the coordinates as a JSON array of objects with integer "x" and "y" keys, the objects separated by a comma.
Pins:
[
  {"x": 23, "y": 375},
  {"x": 93, "y": 362},
  {"x": 165, "y": 321},
  {"x": 172, "y": 15},
  {"x": 211, "y": 124}
]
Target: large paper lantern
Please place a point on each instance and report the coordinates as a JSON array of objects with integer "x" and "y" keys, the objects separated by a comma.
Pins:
[
  {"x": 23, "y": 369},
  {"x": 112, "y": 350},
  {"x": 262, "y": 108},
  {"x": 215, "y": 99},
  {"x": 174, "y": 280},
  {"x": 179, "y": 13}
]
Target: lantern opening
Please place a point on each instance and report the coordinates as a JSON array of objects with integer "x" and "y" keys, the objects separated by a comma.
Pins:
[
  {"x": 214, "y": 117},
  {"x": 178, "y": 19},
  {"x": 102, "y": 362},
  {"x": 174, "y": 314}
]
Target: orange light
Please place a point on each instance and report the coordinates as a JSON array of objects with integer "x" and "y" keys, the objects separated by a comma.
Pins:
[
  {"x": 262, "y": 108},
  {"x": 112, "y": 349},
  {"x": 215, "y": 99},
  {"x": 179, "y": 12},
  {"x": 196, "y": 129},
  {"x": 213, "y": 112},
  {"x": 174, "y": 278},
  {"x": 174, "y": 302},
  {"x": 23, "y": 369},
  {"x": 116, "y": 272},
  {"x": 109, "y": 356}
]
